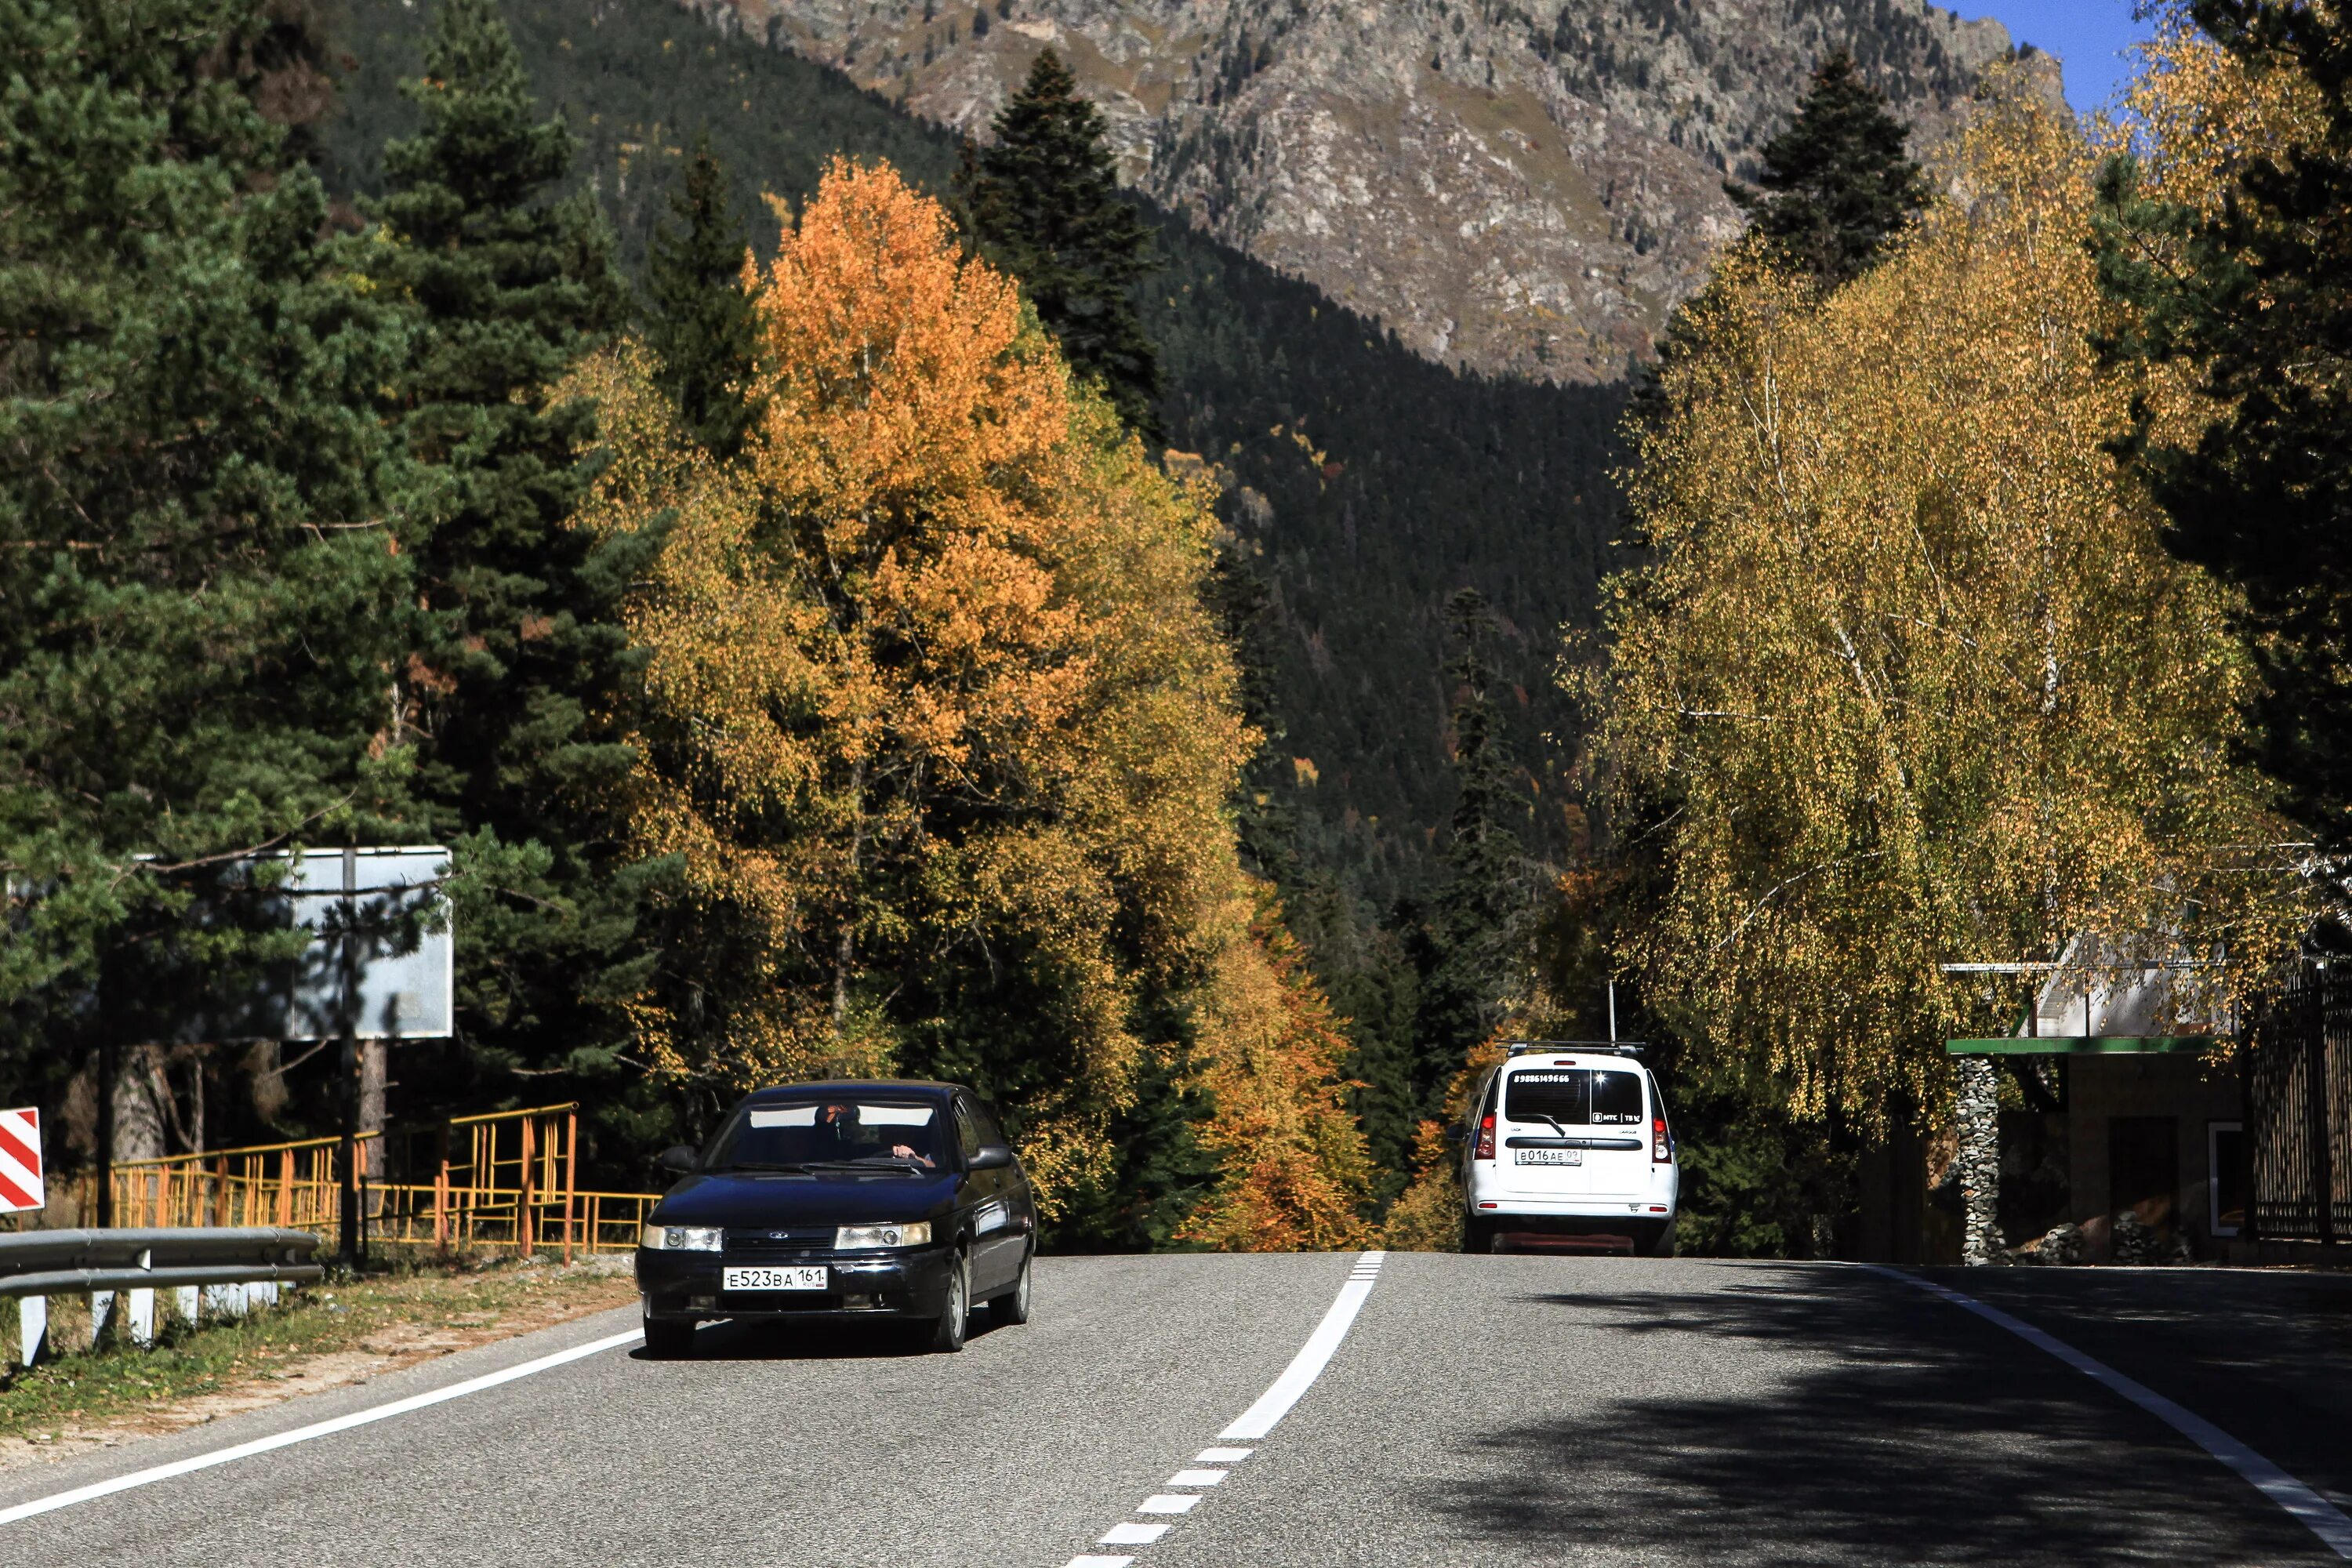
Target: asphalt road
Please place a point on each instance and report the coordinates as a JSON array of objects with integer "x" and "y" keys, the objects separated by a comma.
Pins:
[{"x": 1479, "y": 1411}]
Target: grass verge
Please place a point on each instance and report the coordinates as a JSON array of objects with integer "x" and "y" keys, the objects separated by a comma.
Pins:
[{"x": 317, "y": 1337}]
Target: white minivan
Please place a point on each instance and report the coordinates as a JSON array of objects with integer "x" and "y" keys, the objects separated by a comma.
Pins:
[{"x": 1569, "y": 1141}]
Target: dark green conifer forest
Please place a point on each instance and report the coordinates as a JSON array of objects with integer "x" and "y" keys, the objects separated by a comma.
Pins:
[
  {"x": 1042, "y": 200},
  {"x": 1427, "y": 481},
  {"x": 1839, "y": 180},
  {"x": 1364, "y": 488},
  {"x": 2260, "y": 297},
  {"x": 522, "y": 654}
]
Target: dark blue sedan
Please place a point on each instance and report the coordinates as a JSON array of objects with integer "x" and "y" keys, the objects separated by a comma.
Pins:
[{"x": 841, "y": 1200}]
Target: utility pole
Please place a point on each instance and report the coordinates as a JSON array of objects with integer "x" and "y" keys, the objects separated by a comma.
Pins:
[{"x": 347, "y": 1022}]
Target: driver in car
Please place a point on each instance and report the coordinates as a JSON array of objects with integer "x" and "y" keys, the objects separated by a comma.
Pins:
[{"x": 841, "y": 1121}]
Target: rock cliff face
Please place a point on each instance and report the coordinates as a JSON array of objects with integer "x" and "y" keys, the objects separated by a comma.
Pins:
[{"x": 1516, "y": 188}]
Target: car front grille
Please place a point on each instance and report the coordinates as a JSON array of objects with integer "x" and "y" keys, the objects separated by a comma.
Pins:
[{"x": 782, "y": 1244}]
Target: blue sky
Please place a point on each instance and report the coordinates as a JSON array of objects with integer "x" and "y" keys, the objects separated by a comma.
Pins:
[{"x": 2086, "y": 36}]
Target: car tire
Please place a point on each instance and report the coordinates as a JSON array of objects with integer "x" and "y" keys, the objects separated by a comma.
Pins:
[
  {"x": 955, "y": 1316},
  {"x": 1659, "y": 1243},
  {"x": 669, "y": 1339},
  {"x": 1012, "y": 1309},
  {"x": 1477, "y": 1236}
]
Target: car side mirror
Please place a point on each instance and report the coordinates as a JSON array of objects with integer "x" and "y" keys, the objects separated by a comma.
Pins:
[
  {"x": 1453, "y": 1133},
  {"x": 990, "y": 1157},
  {"x": 678, "y": 1157}
]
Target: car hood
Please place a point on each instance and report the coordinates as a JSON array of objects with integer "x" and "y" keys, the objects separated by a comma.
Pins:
[{"x": 748, "y": 1199}]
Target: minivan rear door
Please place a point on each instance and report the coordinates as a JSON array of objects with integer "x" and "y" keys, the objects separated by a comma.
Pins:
[
  {"x": 1546, "y": 1109},
  {"x": 1618, "y": 1117}
]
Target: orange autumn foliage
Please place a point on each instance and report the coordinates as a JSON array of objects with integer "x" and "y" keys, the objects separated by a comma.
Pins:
[
  {"x": 933, "y": 718},
  {"x": 1294, "y": 1172}
]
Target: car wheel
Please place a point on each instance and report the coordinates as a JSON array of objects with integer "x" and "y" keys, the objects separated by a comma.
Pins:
[
  {"x": 669, "y": 1339},
  {"x": 1477, "y": 1236},
  {"x": 1012, "y": 1307},
  {"x": 946, "y": 1333},
  {"x": 1659, "y": 1243}
]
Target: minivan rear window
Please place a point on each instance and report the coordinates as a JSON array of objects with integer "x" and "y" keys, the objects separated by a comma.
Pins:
[
  {"x": 1616, "y": 1098},
  {"x": 1560, "y": 1094},
  {"x": 1574, "y": 1097}
]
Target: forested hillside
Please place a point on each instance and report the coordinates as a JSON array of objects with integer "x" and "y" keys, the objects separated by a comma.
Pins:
[{"x": 1364, "y": 484}]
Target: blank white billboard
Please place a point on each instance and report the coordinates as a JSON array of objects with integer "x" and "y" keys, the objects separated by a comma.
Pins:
[{"x": 381, "y": 935}]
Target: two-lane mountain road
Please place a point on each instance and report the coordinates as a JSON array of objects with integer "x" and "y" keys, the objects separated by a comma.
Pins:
[{"x": 1200, "y": 1411}]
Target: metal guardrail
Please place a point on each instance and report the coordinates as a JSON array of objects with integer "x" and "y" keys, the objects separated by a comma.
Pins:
[
  {"x": 55, "y": 1262},
  {"x": 37, "y": 1264}
]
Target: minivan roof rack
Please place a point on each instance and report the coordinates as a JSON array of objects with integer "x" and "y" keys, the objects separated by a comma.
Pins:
[{"x": 1621, "y": 1047}]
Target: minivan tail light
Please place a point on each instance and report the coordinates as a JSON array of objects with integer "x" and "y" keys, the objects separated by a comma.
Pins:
[
  {"x": 1485, "y": 1149},
  {"x": 1662, "y": 1148}
]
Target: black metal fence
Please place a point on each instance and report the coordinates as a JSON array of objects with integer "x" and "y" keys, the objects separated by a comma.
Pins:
[{"x": 2299, "y": 1110}]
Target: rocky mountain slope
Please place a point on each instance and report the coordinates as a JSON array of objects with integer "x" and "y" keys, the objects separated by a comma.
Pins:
[{"x": 1514, "y": 188}]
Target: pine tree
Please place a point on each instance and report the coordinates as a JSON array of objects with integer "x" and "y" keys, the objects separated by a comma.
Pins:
[
  {"x": 1042, "y": 202},
  {"x": 2250, "y": 288},
  {"x": 697, "y": 318},
  {"x": 522, "y": 654},
  {"x": 1479, "y": 906},
  {"x": 199, "y": 585},
  {"x": 1837, "y": 182}
]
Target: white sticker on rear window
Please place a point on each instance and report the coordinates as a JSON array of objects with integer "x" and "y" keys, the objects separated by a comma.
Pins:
[
  {"x": 895, "y": 1115},
  {"x": 786, "y": 1116}
]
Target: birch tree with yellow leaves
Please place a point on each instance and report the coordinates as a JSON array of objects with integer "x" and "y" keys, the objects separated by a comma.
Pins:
[
  {"x": 939, "y": 731},
  {"x": 1907, "y": 679}
]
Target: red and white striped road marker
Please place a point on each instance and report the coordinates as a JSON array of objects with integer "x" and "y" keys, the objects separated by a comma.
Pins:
[{"x": 20, "y": 1161}]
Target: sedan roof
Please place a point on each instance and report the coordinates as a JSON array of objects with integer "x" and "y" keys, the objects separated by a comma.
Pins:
[{"x": 918, "y": 1089}]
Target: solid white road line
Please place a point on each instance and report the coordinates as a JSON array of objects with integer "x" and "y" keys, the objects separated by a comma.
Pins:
[
  {"x": 316, "y": 1429},
  {"x": 1313, "y": 1356},
  {"x": 2321, "y": 1517}
]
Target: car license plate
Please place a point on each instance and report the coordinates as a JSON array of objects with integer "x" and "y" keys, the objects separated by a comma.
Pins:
[
  {"x": 1551, "y": 1156},
  {"x": 810, "y": 1278}
]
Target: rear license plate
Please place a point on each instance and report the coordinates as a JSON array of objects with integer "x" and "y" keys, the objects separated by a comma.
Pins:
[
  {"x": 811, "y": 1278},
  {"x": 1551, "y": 1156}
]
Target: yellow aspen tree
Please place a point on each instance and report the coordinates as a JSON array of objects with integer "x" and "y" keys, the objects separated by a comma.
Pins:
[{"x": 1908, "y": 679}]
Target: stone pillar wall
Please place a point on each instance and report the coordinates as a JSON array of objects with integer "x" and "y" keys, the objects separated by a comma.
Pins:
[{"x": 1978, "y": 1115}]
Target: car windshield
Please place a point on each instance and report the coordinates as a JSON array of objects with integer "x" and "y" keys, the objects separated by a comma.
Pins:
[{"x": 794, "y": 1135}]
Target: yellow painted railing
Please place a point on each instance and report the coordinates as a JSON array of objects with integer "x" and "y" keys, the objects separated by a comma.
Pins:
[{"x": 517, "y": 1189}]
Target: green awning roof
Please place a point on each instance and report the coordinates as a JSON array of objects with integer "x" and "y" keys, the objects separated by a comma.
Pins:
[{"x": 2082, "y": 1046}]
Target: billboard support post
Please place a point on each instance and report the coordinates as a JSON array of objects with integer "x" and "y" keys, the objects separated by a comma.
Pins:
[
  {"x": 105, "y": 1125},
  {"x": 347, "y": 1021}
]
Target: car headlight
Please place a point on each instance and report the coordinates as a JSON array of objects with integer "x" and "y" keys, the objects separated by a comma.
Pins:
[
  {"x": 682, "y": 1237},
  {"x": 851, "y": 1238}
]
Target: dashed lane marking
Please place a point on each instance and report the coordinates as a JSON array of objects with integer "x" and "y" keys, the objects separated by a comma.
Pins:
[
  {"x": 2321, "y": 1517},
  {"x": 1255, "y": 1422},
  {"x": 1168, "y": 1502}
]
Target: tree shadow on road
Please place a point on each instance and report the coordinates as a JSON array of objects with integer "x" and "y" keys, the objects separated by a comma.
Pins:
[
  {"x": 1914, "y": 1433},
  {"x": 817, "y": 1338}
]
